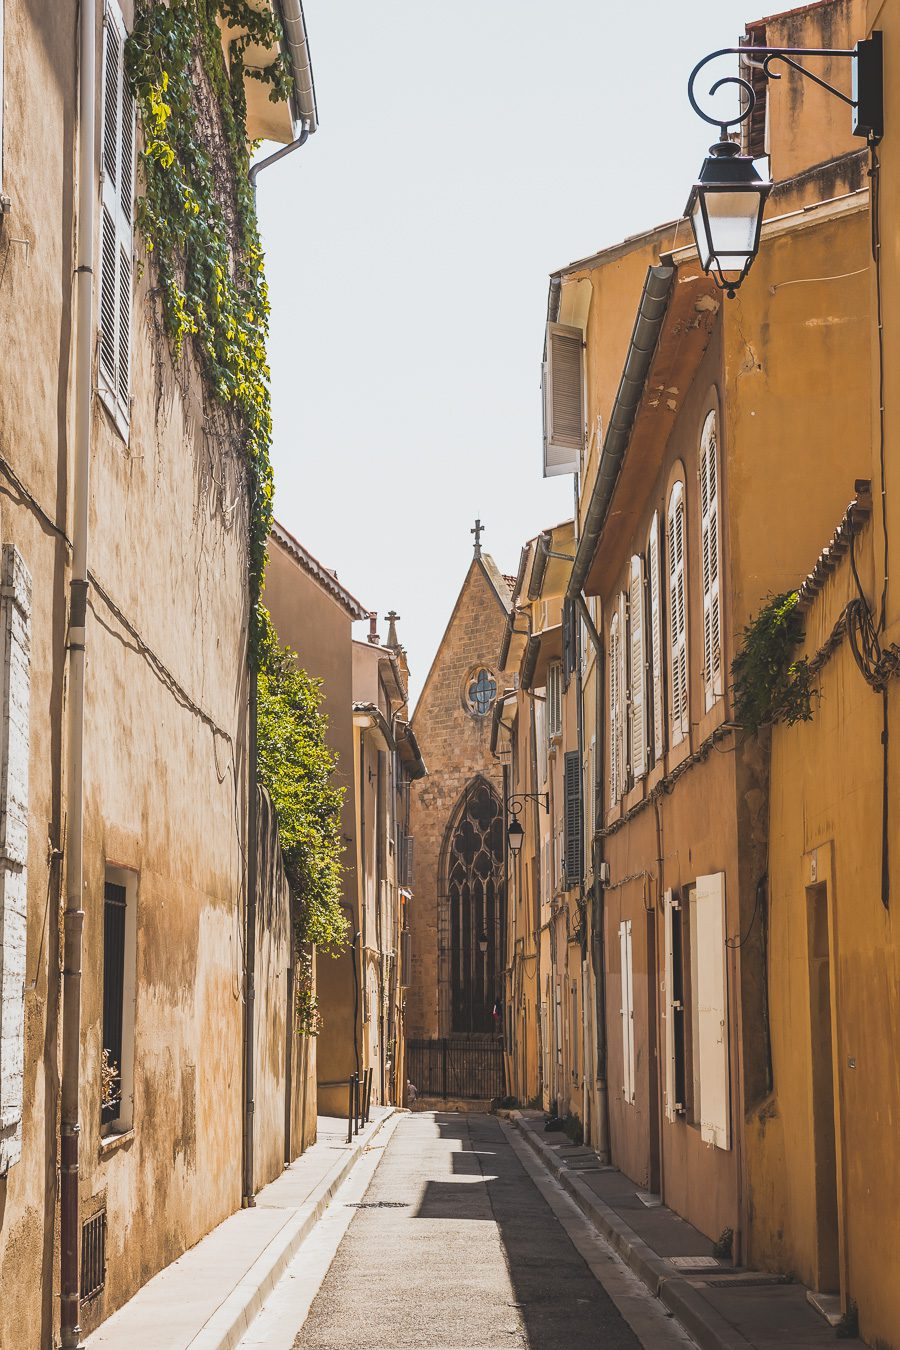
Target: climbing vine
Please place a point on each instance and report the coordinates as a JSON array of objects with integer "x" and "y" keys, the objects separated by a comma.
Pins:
[
  {"x": 296, "y": 766},
  {"x": 770, "y": 685},
  {"x": 197, "y": 216}
]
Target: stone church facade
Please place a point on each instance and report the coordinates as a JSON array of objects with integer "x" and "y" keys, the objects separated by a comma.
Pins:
[{"x": 456, "y": 819}]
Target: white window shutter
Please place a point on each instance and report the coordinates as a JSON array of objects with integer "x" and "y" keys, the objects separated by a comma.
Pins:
[
  {"x": 637, "y": 701},
  {"x": 710, "y": 555},
  {"x": 117, "y": 212},
  {"x": 563, "y": 397},
  {"x": 678, "y": 656},
  {"x": 669, "y": 1012},
  {"x": 627, "y": 1010},
  {"x": 712, "y": 1010},
  {"x": 615, "y": 702},
  {"x": 15, "y": 699},
  {"x": 656, "y": 655}
]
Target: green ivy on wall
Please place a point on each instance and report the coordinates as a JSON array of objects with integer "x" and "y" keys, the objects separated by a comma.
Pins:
[
  {"x": 296, "y": 766},
  {"x": 769, "y": 684},
  {"x": 197, "y": 216},
  {"x": 199, "y": 225}
]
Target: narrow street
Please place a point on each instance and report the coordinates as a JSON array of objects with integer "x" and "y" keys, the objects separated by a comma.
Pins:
[{"x": 453, "y": 1246}]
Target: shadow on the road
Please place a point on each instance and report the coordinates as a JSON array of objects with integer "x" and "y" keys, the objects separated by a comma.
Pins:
[
  {"x": 454, "y": 1200},
  {"x": 558, "y": 1299}
]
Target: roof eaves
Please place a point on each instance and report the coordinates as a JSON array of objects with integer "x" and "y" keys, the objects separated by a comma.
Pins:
[{"x": 318, "y": 571}]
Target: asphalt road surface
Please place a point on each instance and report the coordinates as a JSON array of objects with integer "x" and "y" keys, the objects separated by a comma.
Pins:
[{"x": 453, "y": 1247}]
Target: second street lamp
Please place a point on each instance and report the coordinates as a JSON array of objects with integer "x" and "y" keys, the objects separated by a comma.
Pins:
[{"x": 515, "y": 834}]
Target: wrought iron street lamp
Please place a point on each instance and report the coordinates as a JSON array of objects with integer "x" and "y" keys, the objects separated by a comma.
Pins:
[
  {"x": 515, "y": 834},
  {"x": 483, "y": 943},
  {"x": 726, "y": 204}
]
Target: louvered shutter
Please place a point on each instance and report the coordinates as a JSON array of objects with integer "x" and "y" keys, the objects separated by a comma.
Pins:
[
  {"x": 709, "y": 549},
  {"x": 637, "y": 703},
  {"x": 563, "y": 397},
  {"x": 669, "y": 1011},
  {"x": 677, "y": 616},
  {"x": 627, "y": 1009},
  {"x": 116, "y": 229},
  {"x": 656, "y": 655},
  {"x": 711, "y": 1009},
  {"x": 615, "y": 700},
  {"x": 574, "y": 819}
]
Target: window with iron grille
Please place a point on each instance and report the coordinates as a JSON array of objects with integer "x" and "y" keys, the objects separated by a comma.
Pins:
[
  {"x": 119, "y": 958},
  {"x": 93, "y": 1256}
]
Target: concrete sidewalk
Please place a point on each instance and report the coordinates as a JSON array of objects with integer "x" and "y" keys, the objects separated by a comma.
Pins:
[
  {"x": 721, "y": 1307},
  {"x": 207, "y": 1299}
]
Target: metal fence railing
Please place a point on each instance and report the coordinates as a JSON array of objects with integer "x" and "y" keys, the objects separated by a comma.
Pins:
[{"x": 469, "y": 1067}]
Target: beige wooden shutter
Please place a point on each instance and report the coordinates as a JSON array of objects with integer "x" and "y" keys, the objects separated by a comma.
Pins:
[
  {"x": 677, "y": 616},
  {"x": 669, "y": 1010},
  {"x": 709, "y": 549},
  {"x": 627, "y": 1009},
  {"x": 637, "y": 702},
  {"x": 656, "y": 655},
  {"x": 117, "y": 210},
  {"x": 712, "y": 1010},
  {"x": 615, "y": 699},
  {"x": 563, "y": 389}
]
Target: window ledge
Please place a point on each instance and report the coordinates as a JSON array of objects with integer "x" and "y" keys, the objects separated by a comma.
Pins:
[
  {"x": 111, "y": 1143},
  {"x": 635, "y": 796},
  {"x": 678, "y": 753}
]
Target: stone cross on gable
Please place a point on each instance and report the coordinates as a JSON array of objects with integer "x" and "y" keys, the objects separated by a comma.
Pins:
[{"x": 477, "y": 531}]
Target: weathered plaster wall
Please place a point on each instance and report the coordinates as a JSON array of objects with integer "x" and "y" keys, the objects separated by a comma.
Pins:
[{"x": 165, "y": 734}]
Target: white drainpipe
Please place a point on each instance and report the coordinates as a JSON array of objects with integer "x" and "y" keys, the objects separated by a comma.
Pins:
[{"x": 70, "y": 1236}]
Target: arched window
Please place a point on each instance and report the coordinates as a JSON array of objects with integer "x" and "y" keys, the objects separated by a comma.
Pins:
[
  {"x": 655, "y": 631},
  {"x": 474, "y": 868},
  {"x": 710, "y": 557},
  {"x": 678, "y": 655},
  {"x": 637, "y": 702}
]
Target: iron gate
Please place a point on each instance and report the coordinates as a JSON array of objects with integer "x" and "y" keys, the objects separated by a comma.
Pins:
[{"x": 456, "y": 1066}]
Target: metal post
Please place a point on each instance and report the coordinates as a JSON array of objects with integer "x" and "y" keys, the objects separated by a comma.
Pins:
[
  {"x": 357, "y": 1093},
  {"x": 350, "y": 1110},
  {"x": 368, "y": 1095}
]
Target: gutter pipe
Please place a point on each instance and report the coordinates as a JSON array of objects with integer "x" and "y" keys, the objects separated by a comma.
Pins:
[
  {"x": 644, "y": 337},
  {"x": 73, "y": 923},
  {"x": 297, "y": 42}
]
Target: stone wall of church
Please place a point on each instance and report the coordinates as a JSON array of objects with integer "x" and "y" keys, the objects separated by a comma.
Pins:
[{"x": 455, "y": 745}]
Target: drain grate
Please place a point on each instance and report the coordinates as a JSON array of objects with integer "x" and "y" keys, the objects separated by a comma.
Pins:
[
  {"x": 378, "y": 1204},
  {"x": 738, "y": 1281}
]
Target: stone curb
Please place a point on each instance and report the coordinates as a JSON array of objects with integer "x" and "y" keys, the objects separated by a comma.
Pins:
[
  {"x": 698, "y": 1317},
  {"x": 233, "y": 1317}
]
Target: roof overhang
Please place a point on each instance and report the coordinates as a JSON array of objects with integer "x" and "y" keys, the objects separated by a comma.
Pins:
[
  {"x": 368, "y": 717},
  {"x": 408, "y": 750}
]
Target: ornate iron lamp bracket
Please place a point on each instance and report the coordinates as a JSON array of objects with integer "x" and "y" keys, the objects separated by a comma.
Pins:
[
  {"x": 867, "y": 101},
  {"x": 516, "y": 803}
]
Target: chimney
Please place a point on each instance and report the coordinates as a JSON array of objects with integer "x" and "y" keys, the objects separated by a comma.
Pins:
[{"x": 373, "y": 629}]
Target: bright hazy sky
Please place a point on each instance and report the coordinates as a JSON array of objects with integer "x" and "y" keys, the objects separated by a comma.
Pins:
[{"x": 465, "y": 151}]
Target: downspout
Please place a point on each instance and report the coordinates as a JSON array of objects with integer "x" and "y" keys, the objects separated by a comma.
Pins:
[
  {"x": 248, "y": 1199},
  {"x": 73, "y": 925},
  {"x": 599, "y": 917}
]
